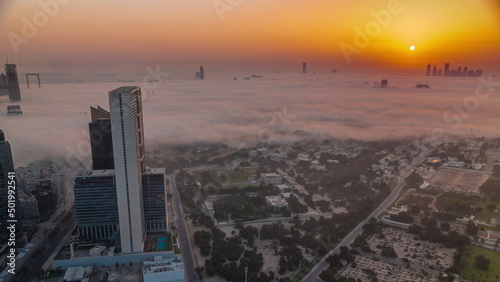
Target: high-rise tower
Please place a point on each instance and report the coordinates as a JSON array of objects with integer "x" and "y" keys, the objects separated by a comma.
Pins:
[
  {"x": 12, "y": 82},
  {"x": 447, "y": 69},
  {"x": 428, "y": 73},
  {"x": 101, "y": 140},
  {"x": 304, "y": 67},
  {"x": 128, "y": 151},
  {"x": 6, "y": 166},
  {"x": 202, "y": 73}
]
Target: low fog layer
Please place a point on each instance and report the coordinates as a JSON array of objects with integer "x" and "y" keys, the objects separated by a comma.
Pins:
[{"x": 276, "y": 107}]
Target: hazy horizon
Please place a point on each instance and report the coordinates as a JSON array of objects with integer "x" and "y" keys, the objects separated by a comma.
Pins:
[
  {"x": 266, "y": 35},
  {"x": 288, "y": 107}
]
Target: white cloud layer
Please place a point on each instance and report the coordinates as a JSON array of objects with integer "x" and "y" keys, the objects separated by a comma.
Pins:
[{"x": 283, "y": 106}]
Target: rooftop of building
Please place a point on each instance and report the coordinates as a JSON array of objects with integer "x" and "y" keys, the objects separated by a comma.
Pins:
[
  {"x": 270, "y": 174},
  {"x": 96, "y": 173},
  {"x": 149, "y": 171},
  {"x": 111, "y": 172},
  {"x": 124, "y": 89},
  {"x": 160, "y": 264}
]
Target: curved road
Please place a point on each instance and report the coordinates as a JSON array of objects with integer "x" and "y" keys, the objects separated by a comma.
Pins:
[
  {"x": 183, "y": 235},
  {"x": 313, "y": 275}
]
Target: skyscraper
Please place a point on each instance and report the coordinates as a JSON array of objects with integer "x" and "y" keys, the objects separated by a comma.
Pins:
[
  {"x": 3, "y": 81},
  {"x": 428, "y": 73},
  {"x": 304, "y": 67},
  {"x": 101, "y": 141},
  {"x": 434, "y": 71},
  {"x": 128, "y": 150},
  {"x": 446, "y": 69},
  {"x": 131, "y": 198},
  {"x": 12, "y": 82},
  {"x": 6, "y": 166},
  {"x": 202, "y": 73}
]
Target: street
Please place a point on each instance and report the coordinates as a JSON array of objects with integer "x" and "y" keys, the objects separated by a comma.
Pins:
[
  {"x": 313, "y": 275},
  {"x": 183, "y": 235},
  {"x": 34, "y": 263}
]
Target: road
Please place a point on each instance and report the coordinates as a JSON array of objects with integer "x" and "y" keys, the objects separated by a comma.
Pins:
[
  {"x": 313, "y": 275},
  {"x": 183, "y": 235},
  {"x": 35, "y": 263}
]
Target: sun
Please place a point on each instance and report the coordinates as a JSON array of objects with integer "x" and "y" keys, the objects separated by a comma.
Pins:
[{"x": 412, "y": 47}]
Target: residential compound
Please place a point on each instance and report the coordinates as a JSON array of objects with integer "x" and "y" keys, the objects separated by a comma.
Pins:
[{"x": 120, "y": 198}]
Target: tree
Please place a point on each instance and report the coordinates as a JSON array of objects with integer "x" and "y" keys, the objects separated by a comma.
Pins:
[
  {"x": 389, "y": 252},
  {"x": 491, "y": 207},
  {"x": 445, "y": 226},
  {"x": 482, "y": 262},
  {"x": 414, "y": 180},
  {"x": 472, "y": 229}
]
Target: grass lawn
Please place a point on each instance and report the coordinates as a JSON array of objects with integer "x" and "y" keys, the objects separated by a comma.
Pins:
[{"x": 472, "y": 273}]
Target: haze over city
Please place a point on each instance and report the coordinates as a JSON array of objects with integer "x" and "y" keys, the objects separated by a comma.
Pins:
[{"x": 233, "y": 140}]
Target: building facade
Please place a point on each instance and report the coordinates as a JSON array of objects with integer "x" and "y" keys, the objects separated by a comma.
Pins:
[
  {"x": 128, "y": 151},
  {"x": 101, "y": 144},
  {"x": 12, "y": 82},
  {"x": 29, "y": 211},
  {"x": 6, "y": 166},
  {"x": 96, "y": 204},
  {"x": 155, "y": 200}
]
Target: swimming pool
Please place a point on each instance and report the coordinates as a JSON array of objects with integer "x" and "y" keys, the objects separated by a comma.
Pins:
[{"x": 161, "y": 245}]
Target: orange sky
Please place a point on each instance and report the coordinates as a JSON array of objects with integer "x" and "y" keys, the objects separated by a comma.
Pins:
[{"x": 456, "y": 31}]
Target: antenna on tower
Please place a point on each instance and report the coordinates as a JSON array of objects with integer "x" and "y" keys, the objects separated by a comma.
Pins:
[{"x": 12, "y": 57}]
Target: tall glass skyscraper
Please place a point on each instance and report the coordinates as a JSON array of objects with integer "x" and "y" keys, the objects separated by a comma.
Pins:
[
  {"x": 6, "y": 166},
  {"x": 12, "y": 82},
  {"x": 101, "y": 140},
  {"x": 130, "y": 198},
  {"x": 128, "y": 150}
]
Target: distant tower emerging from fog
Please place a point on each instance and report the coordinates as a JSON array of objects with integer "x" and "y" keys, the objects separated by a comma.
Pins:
[
  {"x": 6, "y": 166},
  {"x": 447, "y": 69},
  {"x": 439, "y": 72},
  {"x": 383, "y": 83},
  {"x": 128, "y": 149},
  {"x": 202, "y": 73},
  {"x": 428, "y": 70},
  {"x": 304, "y": 67},
  {"x": 12, "y": 82},
  {"x": 3, "y": 81},
  {"x": 434, "y": 71},
  {"x": 101, "y": 141}
]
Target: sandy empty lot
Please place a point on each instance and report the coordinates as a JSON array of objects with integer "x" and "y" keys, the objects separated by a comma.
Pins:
[{"x": 459, "y": 179}]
